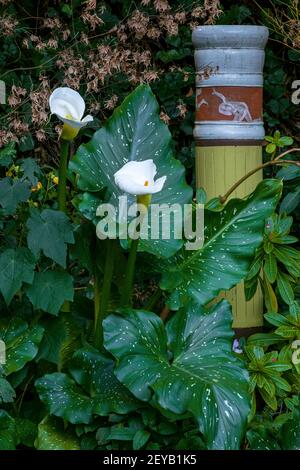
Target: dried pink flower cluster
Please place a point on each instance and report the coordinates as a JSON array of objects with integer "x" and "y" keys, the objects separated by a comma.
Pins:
[
  {"x": 8, "y": 25},
  {"x": 124, "y": 53}
]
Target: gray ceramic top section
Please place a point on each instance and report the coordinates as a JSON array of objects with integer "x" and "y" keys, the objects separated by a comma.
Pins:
[{"x": 232, "y": 36}]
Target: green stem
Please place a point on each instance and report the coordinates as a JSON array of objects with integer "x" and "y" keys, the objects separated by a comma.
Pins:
[
  {"x": 129, "y": 274},
  {"x": 62, "y": 175},
  {"x": 101, "y": 301},
  {"x": 126, "y": 297}
]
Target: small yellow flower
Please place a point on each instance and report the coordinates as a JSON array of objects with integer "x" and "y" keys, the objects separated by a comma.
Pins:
[
  {"x": 55, "y": 179},
  {"x": 37, "y": 187}
]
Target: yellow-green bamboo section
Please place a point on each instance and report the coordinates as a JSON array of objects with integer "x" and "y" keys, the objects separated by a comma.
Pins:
[{"x": 217, "y": 169}]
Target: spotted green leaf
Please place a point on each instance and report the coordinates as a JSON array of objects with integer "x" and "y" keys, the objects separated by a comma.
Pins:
[
  {"x": 134, "y": 132},
  {"x": 94, "y": 373},
  {"x": 53, "y": 436},
  {"x": 94, "y": 390},
  {"x": 291, "y": 433},
  {"x": 231, "y": 238},
  {"x": 196, "y": 373},
  {"x": 21, "y": 343}
]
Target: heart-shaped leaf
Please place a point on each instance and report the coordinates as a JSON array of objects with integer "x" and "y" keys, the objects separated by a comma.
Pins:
[
  {"x": 53, "y": 436},
  {"x": 16, "y": 266},
  {"x": 49, "y": 290},
  {"x": 197, "y": 373},
  {"x": 94, "y": 390},
  {"x": 231, "y": 238},
  {"x": 7, "y": 431},
  {"x": 94, "y": 372},
  {"x": 134, "y": 132},
  {"x": 49, "y": 231},
  {"x": 21, "y": 343}
]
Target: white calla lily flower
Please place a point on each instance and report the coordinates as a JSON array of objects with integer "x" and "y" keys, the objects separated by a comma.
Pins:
[
  {"x": 69, "y": 107},
  {"x": 137, "y": 178}
]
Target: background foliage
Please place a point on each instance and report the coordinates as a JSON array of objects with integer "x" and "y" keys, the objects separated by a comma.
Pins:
[{"x": 48, "y": 399}]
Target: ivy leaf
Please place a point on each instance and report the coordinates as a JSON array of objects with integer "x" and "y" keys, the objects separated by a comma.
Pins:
[
  {"x": 49, "y": 231},
  {"x": 31, "y": 170},
  {"x": 21, "y": 343},
  {"x": 202, "y": 376},
  {"x": 7, "y": 431},
  {"x": 49, "y": 290},
  {"x": 7, "y": 154},
  {"x": 16, "y": 266},
  {"x": 94, "y": 372},
  {"x": 12, "y": 193},
  {"x": 53, "y": 436},
  {"x": 134, "y": 132},
  {"x": 231, "y": 238}
]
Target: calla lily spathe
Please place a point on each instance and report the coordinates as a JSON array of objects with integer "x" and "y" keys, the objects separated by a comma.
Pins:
[
  {"x": 137, "y": 178},
  {"x": 69, "y": 107}
]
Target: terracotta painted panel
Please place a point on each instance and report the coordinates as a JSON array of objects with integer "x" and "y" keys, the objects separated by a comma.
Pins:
[{"x": 229, "y": 103}]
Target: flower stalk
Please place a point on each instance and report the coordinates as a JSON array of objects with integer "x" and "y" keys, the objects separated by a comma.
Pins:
[
  {"x": 62, "y": 175},
  {"x": 101, "y": 297},
  {"x": 126, "y": 297}
]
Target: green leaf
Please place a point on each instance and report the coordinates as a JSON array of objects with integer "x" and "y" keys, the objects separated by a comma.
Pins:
[
  {"x": 94, "y": 372},
  {"x": 96, "y": 390},
  {"x": 16, "y": 266},
  {"x": 200, "y": 374},
  {"x": 141, "y": 437},
  {"x": 264, "y": 339},
  {"x": 26, "y": 431},
  {"x": 270, "y": 400},
  {"x": 60, "y": 339},
  {"x": 49, "y": 231},
  {"x": 49, "y": 290},
  {"x": 64, "y": 398},
  {"x": 285, "y": 141},
  {"x": 7, "y": 154},
  {"x": 290, "y": 434},
  {"x": 21, "y": 343},
  {"x": 119, "y": 433},
  {"x": 53, "y": 436},
  {"x": 12, "y": 193},
  {"x": 173, "y": 55},
  {"x": 285, "y": 288},
  {"x": 289, "y": 172},
  {"x": 270, "y": 148},
  {"x": 134, "y": 132},
  {"x": 270, "y": 296},
  {"x": 7, "y": 393},
  {"x": 31, "y": 170},
  {"x": 277, "y": 319},
  {"x": 231, "y": 238},
  {"x": 270, "y": 267},
  {"x": 85, "y": 239},
  {"x": 7, "y": 431},
  {"x": 290, "y": 201},
  {"x": 261, "y": 441}
]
